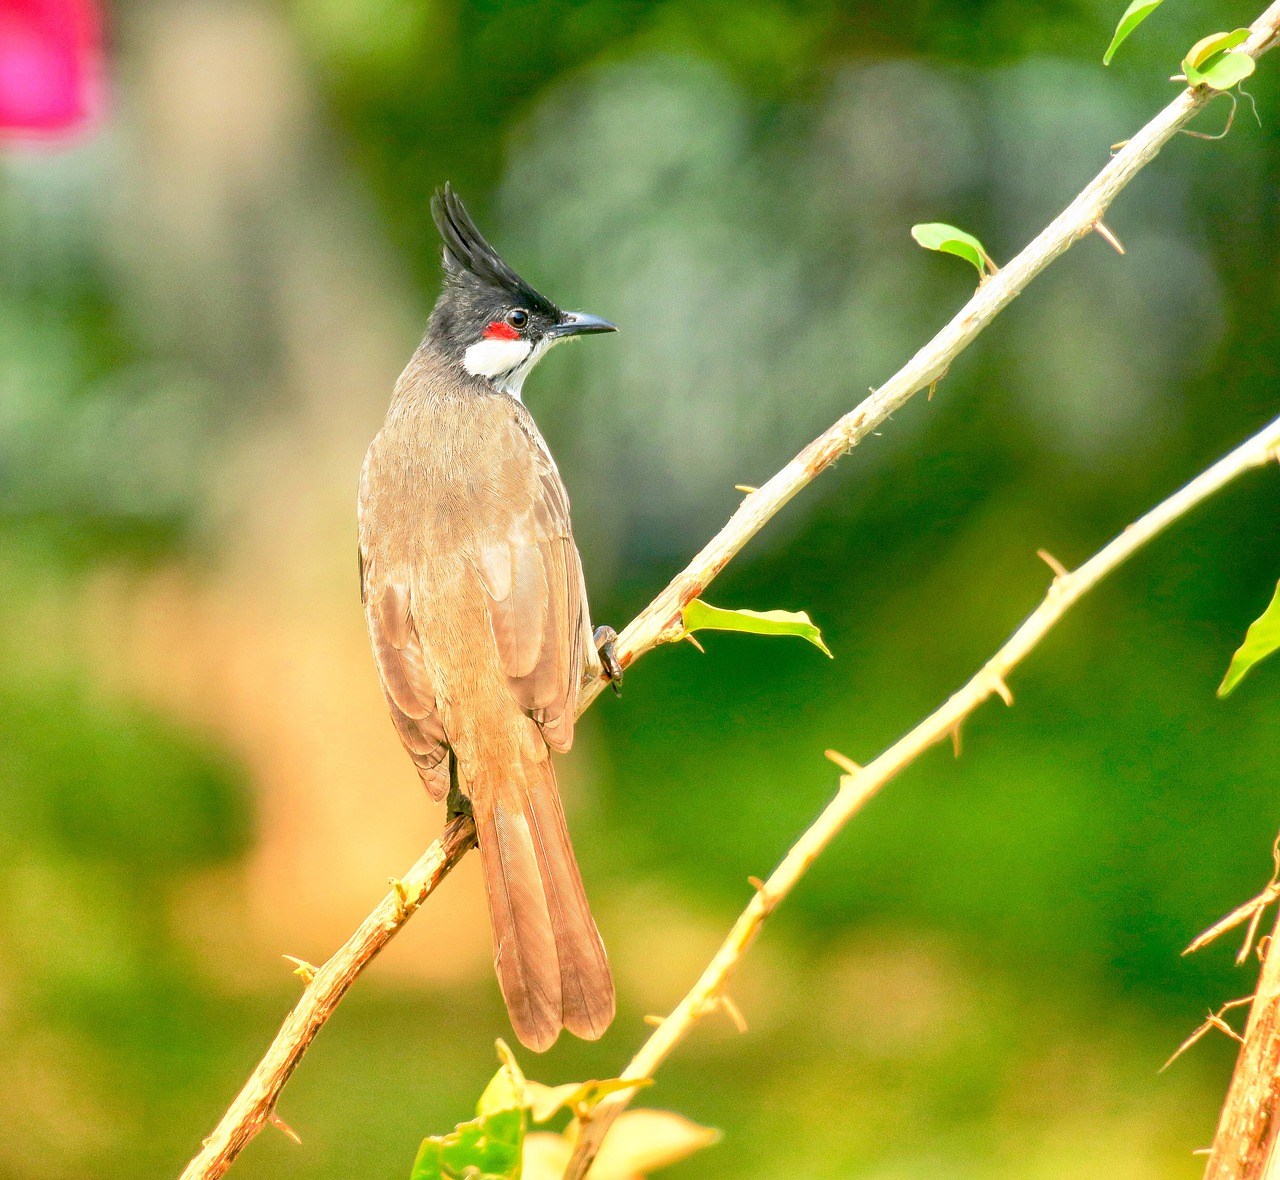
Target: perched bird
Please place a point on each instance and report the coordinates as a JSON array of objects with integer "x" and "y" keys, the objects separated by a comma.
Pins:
[{"x": 477, "y": 612}]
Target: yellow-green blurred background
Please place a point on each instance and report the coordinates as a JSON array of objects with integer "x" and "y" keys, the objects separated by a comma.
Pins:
[{"x": 203, "y": 307}]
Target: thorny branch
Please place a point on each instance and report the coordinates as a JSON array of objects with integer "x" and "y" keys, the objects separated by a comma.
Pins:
[
  {"x": 1244, "y": 1146},
  {"x": 255, "y": 1104},
  {"x": 859, "y": 784},
  {"x": 1245, "y": 1142},
  {"x": 1250, "y": 912}
]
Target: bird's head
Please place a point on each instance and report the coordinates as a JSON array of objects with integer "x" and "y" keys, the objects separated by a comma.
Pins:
[{"x": 488, "y": 319}]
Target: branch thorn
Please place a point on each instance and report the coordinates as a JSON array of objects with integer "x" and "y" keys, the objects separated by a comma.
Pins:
[
  {"x": 756, "y": 884},
  {"x": 1251, "y": 911},
  {"x": 734, "y": 1013},
  {"x": 848, "y": 765},
  {"x": 745, "y": 488},
  {"x": 654, "y": 1021},
  {"x": 695, "y": 643},
  {"x": 1107, "y": 236},
  {"x": 955, "y": 736},
  {"x": 280, "y": 1125},
  {"x": 301, "y": 968},
  {"x": 1213, "y": 1020},
  {"x": 1001, "y": 689},
  {"x": 1059, "y": 570}
]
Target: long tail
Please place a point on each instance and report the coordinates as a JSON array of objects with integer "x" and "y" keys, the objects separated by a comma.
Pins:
[{"x": 547, "y": 951}]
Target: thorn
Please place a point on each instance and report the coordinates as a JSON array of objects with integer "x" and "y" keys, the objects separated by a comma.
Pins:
[
  {"x": 1059, "y": 570},
  {"x": 744, "y": 487},
  {"x": 1202, "y": 1151},
  {"x": 1002, "y": 690},
  {"x": 1250, "y": 935},
  {"x": 955, "y": 736},
  {"x": 280, "y": 1125},
  {"x": 734, "y": 1013},
  {"x": 695, "y": 643},
  {"x": 654, "y": 1021},
  {"x": 1264, "y": 945},
  {"x": 1181, "y": 1049},
  {"x": 1213, "y": 1020},
  {"x": 1222, "y": 1026},
  {"x": 1250, "y": 912},
  {"x": 756, "y": 884},
  {"x": 1115, "y": 147},
  {"x": 301, "y": 968},
  {"x": 402, "y": 898},
  {"x": 848, "y": 765},
  {"x": 1107, "y": 236}
]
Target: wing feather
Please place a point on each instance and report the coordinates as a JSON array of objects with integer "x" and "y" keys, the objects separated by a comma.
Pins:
[
  {"x": 408, "y": 684},
  {"x": 532, "y": 578}
]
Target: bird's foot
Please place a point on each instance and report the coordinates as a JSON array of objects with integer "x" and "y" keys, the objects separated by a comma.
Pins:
[
  {"x": 606, "y": 647},
  {"x": 458, "y": 803}
]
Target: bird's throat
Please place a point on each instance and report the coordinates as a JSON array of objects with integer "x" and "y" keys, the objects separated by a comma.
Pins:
[{"x": 506, "y": 363}]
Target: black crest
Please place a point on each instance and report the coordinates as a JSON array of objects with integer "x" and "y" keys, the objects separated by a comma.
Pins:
[{"x": 467, "y": 254}]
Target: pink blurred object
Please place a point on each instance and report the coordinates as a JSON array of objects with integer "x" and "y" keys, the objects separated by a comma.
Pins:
[{"x": 50, "y": 67}]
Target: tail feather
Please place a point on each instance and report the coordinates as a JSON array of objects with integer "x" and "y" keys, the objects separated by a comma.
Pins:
[
  {"x": 586, "y": 983},
  {"x": 549, "y": 958}
]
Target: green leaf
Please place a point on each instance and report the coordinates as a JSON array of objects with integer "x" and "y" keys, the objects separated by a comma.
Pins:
[
  {"x": 1223, "y": 71},
  {"x": 506, "y": 1088},
  {"x": 1262, "y": 639},
  {"x": 544, "y": 1101},
  {"x": 640, "y": 1142},
  {"x": 701, "y": 616},
  {"x": 488, "y": 1147},
  {"x": 1214, "y": 43},
  {"x": 1134, "y": 15},
  {"x": 1212, "y": 63},
  {"x": 935, "y": 235}
]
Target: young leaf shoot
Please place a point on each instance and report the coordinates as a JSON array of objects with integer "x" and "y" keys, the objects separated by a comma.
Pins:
[
  {"x": 1134, "y": 15},
  {"x": 1211, "y": 62},
  {"x": 700, "y": 616},
  {"x": 935, "y": 235},
  {"x": 1262, "y": 638}
]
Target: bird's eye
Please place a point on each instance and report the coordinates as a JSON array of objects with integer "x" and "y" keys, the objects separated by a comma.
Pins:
[{"x": 518, "y": 317}]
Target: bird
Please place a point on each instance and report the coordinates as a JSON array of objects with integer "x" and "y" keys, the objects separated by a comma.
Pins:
[{"x": 477, "y": 614}]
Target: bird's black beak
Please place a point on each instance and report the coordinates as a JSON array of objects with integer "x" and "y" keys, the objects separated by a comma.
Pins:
[{"x": 578, "y": 323}]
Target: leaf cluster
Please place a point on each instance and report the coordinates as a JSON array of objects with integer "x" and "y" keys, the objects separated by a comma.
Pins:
[{"x": 498, "y": 1145}]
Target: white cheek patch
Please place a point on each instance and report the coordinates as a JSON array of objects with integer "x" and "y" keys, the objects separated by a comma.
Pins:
[{"x": 493, "y": 358}]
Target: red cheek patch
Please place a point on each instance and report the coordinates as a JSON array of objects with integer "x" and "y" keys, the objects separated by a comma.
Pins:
[{"x": 500, "y": 330}]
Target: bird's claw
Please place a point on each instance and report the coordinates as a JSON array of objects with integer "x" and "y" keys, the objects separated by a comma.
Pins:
[{"x": 606, "y": 639}]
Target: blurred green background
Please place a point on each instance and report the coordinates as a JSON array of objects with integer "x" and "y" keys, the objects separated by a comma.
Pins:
[{"x": 203, "y": 307}]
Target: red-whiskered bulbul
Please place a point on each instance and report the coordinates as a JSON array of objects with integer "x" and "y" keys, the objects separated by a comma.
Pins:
[{"x": 477, "y": 611}]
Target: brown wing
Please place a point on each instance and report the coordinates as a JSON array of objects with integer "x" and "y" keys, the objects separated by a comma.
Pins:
[
  {"x": 532, "y": 578},
  {"x": 407, "y": 681}
]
